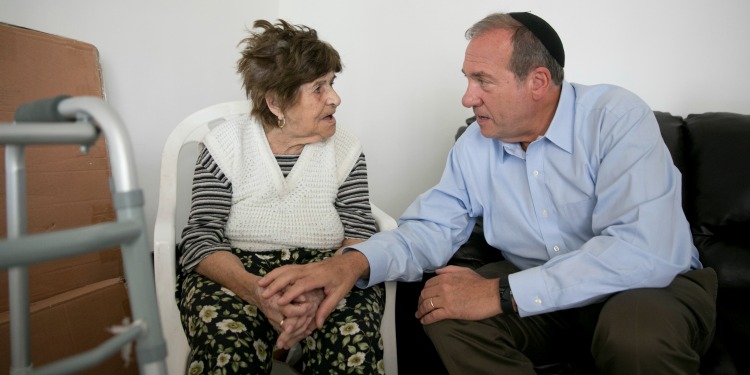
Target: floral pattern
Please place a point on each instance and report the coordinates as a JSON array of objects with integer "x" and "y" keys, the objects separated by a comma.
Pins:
[{"x": 229, "y": 336}]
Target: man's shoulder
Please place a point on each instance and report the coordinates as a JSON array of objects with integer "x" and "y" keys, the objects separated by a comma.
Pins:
[
  {"x": 606, "y": 96},
  {"x": 613, "y": 110}
]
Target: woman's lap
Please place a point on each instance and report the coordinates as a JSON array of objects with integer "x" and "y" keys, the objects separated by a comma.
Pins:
[{"x": 229, "y": 335}]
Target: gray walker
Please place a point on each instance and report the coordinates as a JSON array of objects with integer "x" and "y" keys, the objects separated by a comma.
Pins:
[{"x": 79, "y": 120}]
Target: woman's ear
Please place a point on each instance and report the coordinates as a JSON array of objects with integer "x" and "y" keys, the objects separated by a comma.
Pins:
[{"x": 272, "y": 104}]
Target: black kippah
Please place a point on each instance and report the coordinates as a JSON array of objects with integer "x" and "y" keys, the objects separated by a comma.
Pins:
[{"x": 544, "y": 32}]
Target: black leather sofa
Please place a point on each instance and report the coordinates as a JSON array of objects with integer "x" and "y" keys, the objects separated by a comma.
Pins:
[{"x": 712, "y": 150}]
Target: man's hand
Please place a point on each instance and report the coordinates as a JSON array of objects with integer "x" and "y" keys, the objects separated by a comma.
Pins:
[
  {"x": 335, "y": 275},
  {"x": 458, "y": 293},
  {"x": 294, "y": 321}
]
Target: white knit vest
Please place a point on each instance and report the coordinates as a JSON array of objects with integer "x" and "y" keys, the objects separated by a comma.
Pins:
[{"x": 270, "y": 212}]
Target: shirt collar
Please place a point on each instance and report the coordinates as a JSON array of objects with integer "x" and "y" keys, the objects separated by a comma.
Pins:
[{"x": 560, "y": 131}]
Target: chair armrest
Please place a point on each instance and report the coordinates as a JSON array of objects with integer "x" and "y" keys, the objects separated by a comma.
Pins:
[{"x": 385, "y": 222}]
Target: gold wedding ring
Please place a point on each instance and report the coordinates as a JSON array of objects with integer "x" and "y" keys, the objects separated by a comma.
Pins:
[{"x": 432, "y": 304}]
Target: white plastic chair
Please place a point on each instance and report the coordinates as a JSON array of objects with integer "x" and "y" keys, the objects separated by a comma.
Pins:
[{"x": 175, "y": 186}]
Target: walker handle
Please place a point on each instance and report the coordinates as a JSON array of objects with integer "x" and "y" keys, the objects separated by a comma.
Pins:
[{"x": 42, "y": 110}]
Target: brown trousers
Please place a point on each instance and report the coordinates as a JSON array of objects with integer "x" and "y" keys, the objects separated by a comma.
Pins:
[{"x": 639, "y": 331}]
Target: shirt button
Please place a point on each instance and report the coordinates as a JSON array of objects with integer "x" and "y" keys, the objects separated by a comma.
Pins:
[
  {"x": 545, "y": 213},
  {"x": 535, "y": 173},
  {"x": 538, "y": 301},
  {"x": 556, "y": 248}
]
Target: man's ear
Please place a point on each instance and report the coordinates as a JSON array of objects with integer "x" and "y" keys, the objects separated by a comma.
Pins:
[
  {"x": 272, "y": 104},
  {"x": 540, "y": 81}
]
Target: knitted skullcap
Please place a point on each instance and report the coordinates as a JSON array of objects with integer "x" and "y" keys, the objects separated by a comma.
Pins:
[{"x": 544, "y": 32}]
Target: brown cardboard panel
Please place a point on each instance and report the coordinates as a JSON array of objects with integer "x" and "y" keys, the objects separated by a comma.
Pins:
[
  {"x": 65, "y": 188},
  {"x": 68, "y": 158},
  {"x": 52, "y": 278},
  {"x": 74, "y": 322},
  {"x": 36, "y": 65}
]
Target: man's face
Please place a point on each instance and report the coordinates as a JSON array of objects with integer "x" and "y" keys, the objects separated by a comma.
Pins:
[{"x": 503, "y": 105}]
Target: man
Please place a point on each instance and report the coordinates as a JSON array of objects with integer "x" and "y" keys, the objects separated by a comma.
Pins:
[{"x": 578, "y": 191}]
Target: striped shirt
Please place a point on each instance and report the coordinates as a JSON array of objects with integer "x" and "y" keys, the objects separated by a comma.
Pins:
[{"x": 212, "y": 201}]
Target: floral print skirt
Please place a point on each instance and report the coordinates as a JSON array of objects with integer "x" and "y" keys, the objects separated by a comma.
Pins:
[{"x": 229, "y": 336}]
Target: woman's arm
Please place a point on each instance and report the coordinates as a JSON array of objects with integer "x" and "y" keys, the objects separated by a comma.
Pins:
[
  {"x": 211, "y": 201},
  {"x": 353, "y": 203},
  {"x": 353, "y": 206},
  {"x": 227, "y": 270}
]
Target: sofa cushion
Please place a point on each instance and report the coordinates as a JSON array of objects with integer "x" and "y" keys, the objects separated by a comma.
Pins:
[
  {"x": 673, "y": 131},
  {"x": 719, "y": 172},
  {"x": 729, "y": 257}
]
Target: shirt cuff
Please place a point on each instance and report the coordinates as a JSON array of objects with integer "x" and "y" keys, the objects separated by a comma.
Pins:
[
  {"x": 376, "y": 272},
  {"x": 530, "y": 292}
]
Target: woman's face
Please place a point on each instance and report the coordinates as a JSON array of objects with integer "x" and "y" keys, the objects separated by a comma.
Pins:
[{"x": 312, "y": 115}]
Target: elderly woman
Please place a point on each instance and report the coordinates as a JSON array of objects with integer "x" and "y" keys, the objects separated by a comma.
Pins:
[{"x": 283, "y": 186}]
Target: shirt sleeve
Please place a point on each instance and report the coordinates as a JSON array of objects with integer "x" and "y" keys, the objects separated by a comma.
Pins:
[
  {"x": 429, "y": 232},
  {"x": 353, "y": 203},
  {"x": 209, "y": 212}
]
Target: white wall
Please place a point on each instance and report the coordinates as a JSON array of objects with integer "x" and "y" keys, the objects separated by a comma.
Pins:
[{"x": 402, "y": 82}]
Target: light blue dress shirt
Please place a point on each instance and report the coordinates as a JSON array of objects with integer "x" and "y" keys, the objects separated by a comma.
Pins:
[{"x": 591, "y": 208}]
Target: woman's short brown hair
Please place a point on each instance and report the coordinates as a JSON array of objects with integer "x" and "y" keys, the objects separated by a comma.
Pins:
[{"x": 279, "y": 59}]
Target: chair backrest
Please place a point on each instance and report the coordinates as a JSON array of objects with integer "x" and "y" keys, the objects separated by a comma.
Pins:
[
  {"x": 174, "y": 188},
  {"x": 188, "y": 132}
]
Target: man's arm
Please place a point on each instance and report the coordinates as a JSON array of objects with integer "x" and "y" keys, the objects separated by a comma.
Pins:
[
  {"x": 429, "y": 232},
  {"x": 639, "y": 237}
]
